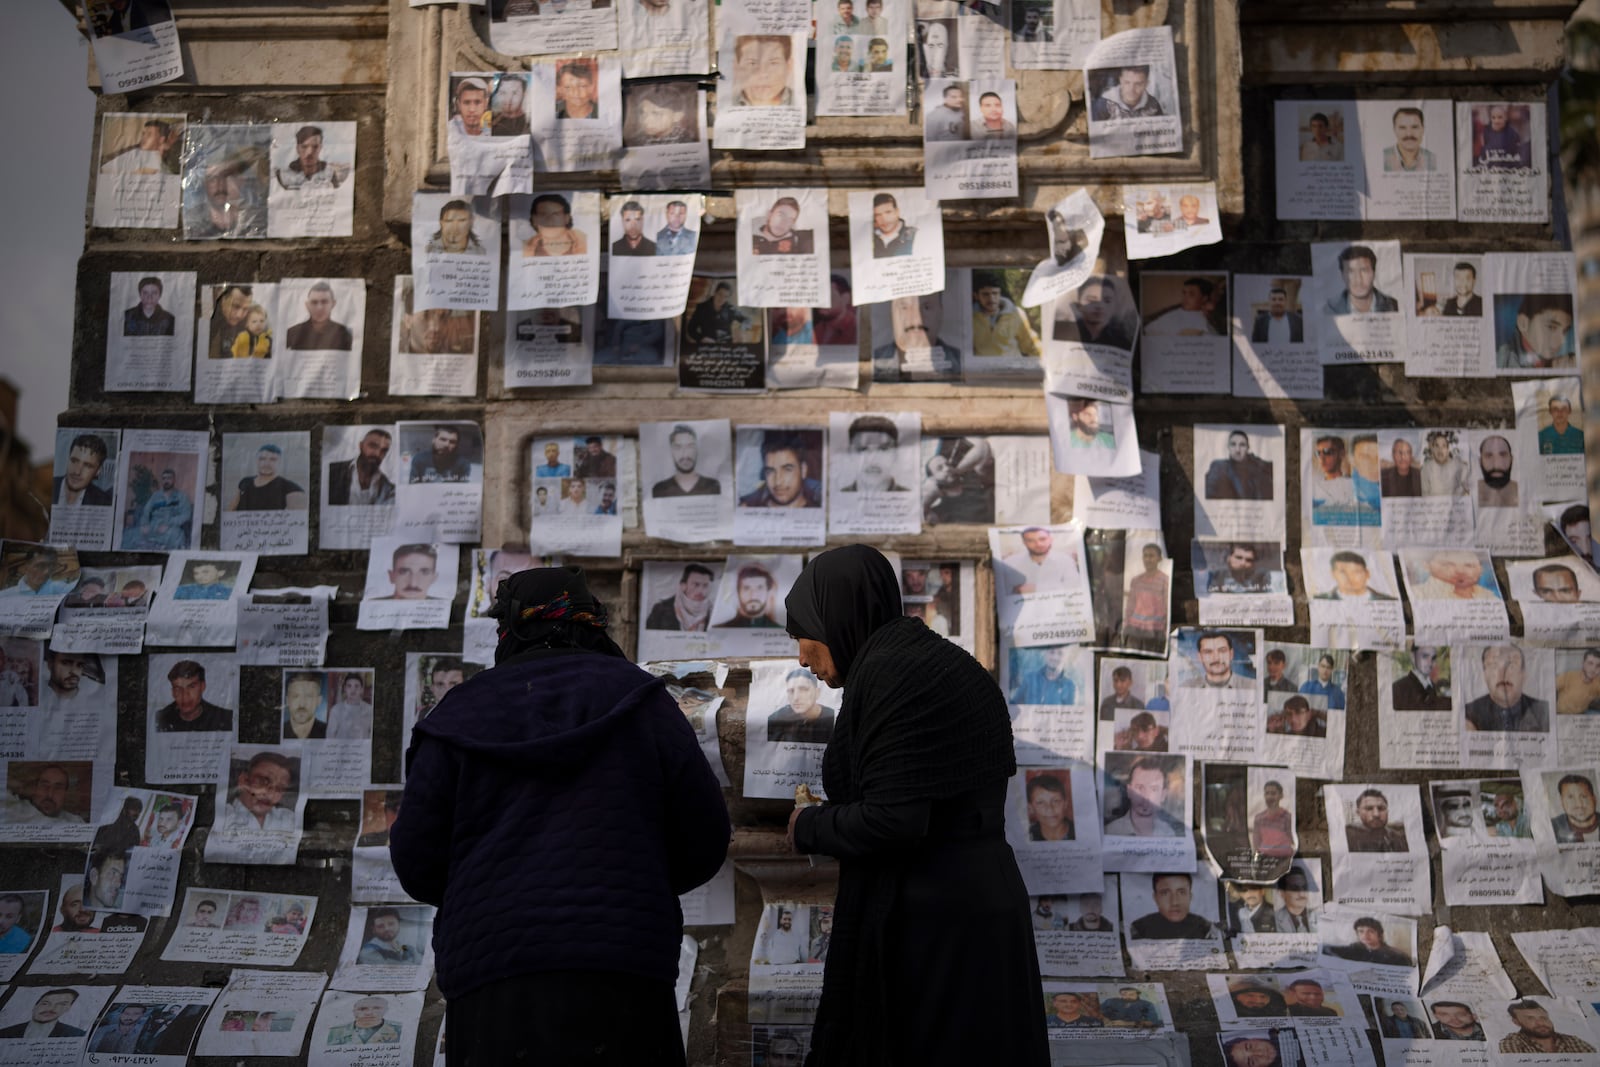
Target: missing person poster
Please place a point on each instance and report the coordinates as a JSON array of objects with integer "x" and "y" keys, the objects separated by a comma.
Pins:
[
  {"x": 872, "y": 469},
  {"x": 896, "y": 244},
  {"x": 1074, "y": 225},
  {"x": 748, "y": 616},
  {"x": 922, "y": 338},
  {"x": 1144, "y": 799},
  {"x": 1566, "y": 828},
  {"x": 783, "y": 247},
  {"x": 1006, "y": 337},
  {"x": 265, "y": 505},
  {"x": 261, "y": 1013},
  {"x": 1485, "y": 842},
  {"x": 1160, "y": 220},
  {"x": 1454, "y": 595},
  {"x": 1076, "y": 933},
  {"x": 1443, "y": 300},
  {"x": 1366, "y": 159},
  {"x": 1550, "y": 421},
  {"x": 191, "y": 700},
  {"x": 1172, "y": 921},
  {"x": 816, "y": 346},
  {"x": 313, "y": 189},
  {"x": 581, "y": 491},
  {"x": 488, "y": 146},
  {"x": 664, "y": 134},
  {"x": 663, "y": 38},
  {"x": 1425, "y": 486},
  {"x": 544, "y": 29},
  {"x": 442, "y": 495},
  {"x": 764, "y": 107},
  {"x": 162, "y": 474},
  {"x": 654, "y": 239},
  {"x": 1051, "y": 692},
  {"x": 1533, "y": 324},
  {"x": 1418, "y": 725},
  {"x": 259, "y": 807},
  {"x": 1242, "y": 489},
  {"x": 788, "y": 723},
  {"x": 576, "y": 114},
  {"x": 387, "y": 948},
  {"x": 688, "y": 467},
  {"x": 1340, "y": 488},
  {"x": 226, "y": 170},
  {"x": 235, "y": 341},
  {"x": 240, "y": 927},
  {"x": 149, "y": 1024},
  {"x": 720, "y": 343},
  {"x": 1092, "y": 437},
  {"x": 135, "y": 45},
  {"x": 321, "y": 355},
  {"x": 358, "y": 484},
  {"x": 372, "y": 1030},
  {"x": 778, "y": 486},
  {"x": 1131, "y": 83},
  {"x": 197, "y": 601},
  {"x": 1185, "y": 337},
  {"x": 149, "y": 322},
  {"x": 455, "y": 251},
  {"x": 1507, "y": 691},
  {"x": 1502, "y": 161},
  {"x": 1053, "y": 827},
  {"x": 1041, "y": 586},
  {"x": 1380, "y": 857},
  {"x": 432, "y": 352},
  {"x": 1241, "y": 583},
  {"x": 550, "y": 347},
  {"x": 558, "y": 237},
  {"x": 59, "y": 1018},
  {"x": 1354, "y": 600},
  {"x": 969, "y": 131},
  {"x": 1358, "y": 319},
  {"x": 675, "y": 602},
  {"x": 410, "y": 584},
  {"x": 1558, "y": 598},
  {"x": 860, "y": 68},
  {"x": 137, "y": 185},
  {"x": 327, "y": 719},
  {"x": 958, "y": 41},
  {"x": 1051, "y": 36},
  {"x": 1089, "y": 348},
  {"x": 133, "y": 861},
  {"x": 1274, "y": 344}
]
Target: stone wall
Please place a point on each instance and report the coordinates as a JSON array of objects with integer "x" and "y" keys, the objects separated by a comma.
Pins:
[{"x": 384, "y": 64}]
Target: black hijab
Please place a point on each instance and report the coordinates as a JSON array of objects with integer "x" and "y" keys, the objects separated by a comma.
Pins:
[{"x": 841, "y": 598}]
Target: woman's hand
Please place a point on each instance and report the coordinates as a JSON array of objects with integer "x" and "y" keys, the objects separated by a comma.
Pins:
[{"x": 794, "y": 817}]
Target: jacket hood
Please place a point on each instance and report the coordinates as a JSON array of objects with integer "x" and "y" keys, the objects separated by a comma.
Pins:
[{"x": 553, "y": 710}]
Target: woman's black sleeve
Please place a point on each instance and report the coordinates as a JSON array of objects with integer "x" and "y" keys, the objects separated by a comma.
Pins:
[{"x": 847, "y": 831}]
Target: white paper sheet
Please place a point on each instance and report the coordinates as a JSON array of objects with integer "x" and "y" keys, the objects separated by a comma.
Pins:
[
  {"x": 1131, "y": 81},
  {"x": 313, "y": 190},
  {"x": 234, "y": 927},
  {"x": 263, "y": 1013},
  {"x": 149, "y": 321},
  {"x": 1502, "y": 161},
  {"x": 137, "y": 185},
  {"x": 1380, "y": 858},
  {"x": 455, "y": 251}
]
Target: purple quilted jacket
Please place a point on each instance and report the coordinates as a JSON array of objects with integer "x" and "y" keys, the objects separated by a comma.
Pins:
[{"x": 554, "y": 810}]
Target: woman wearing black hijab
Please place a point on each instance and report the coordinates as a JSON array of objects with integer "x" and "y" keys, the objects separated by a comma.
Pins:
[{"x": 932, "y": 959}]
